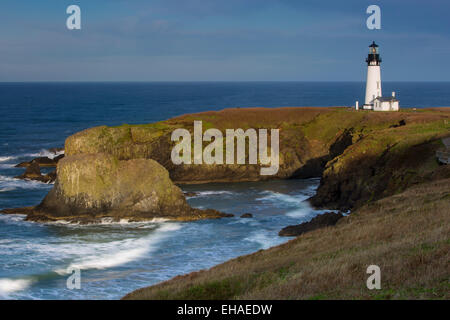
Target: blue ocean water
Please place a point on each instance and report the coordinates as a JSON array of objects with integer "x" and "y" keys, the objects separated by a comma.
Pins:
[{"x": 116, "y": 258}]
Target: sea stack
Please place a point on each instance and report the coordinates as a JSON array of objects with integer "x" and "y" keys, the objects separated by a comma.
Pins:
[{"x": 90, "y": 187}]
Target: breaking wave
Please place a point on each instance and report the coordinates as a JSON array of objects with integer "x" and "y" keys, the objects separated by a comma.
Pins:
[
  {"x": 7, "y": 158},
  {"x": 45, "y": 153},
  {"x": 8, "y": 286},
  {"x": 212, "y": 193},
  {"x": 282, "y": 199},
  {"x": 115, "y": 253},
  {"x": 110, "y": 221},
  {"x": 264, "y": 240},
  {"x": 42, "y": 153},
  {"x": 10, "y": 184}
]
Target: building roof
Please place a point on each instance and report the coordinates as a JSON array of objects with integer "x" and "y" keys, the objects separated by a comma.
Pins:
[
  {"x": 385, "y": 99},
  {"x": 373, "y": 45}
]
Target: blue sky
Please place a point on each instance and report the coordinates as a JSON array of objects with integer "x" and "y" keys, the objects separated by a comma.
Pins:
[{"x": 229, "y": 40}]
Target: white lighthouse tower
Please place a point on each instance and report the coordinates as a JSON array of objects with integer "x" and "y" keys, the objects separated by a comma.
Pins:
[
  {"x": 374, "y": 99},
  {"x": 373, "y": 85}
]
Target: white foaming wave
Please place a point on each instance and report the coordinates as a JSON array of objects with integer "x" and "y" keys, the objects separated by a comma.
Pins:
[
  {"x": 199, "y": 207},
  {"x": 63, "y": 222},
  {"x": 45, "y": 153},
  {"x": 282, "y": 198},
  {"x": 107, "y": 260},
  {"x": 8, "y": 286},
  {"x": 17, "y": 220},
  {"x": 299, "y": 213},
  {"x": 107, "y": 255},
  {"x": 10, "y": 184},
  {"x": 303, "y": 210},
  {"x": 42, "y": 153},
  {"x": 252, "y": 222},
  {"x": 110, "y": 221},
  {"x": 7, "y": 158},
  {"x": 311, "y": 189},
  {"x": 264, "y": 240},
  {"x": 212, "y": 193},
  {"x": 12, "y": 217}
]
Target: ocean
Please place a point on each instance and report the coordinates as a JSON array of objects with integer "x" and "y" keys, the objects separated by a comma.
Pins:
[{"x": 116, "y": 258}]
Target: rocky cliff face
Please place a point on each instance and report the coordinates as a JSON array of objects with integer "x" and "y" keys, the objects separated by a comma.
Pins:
[
  {"x": 383, "y": 163},
  {"x": 92, "y": 186},
  {"x": 127, "y": 171},
  {"x": 305, "y": 142},
  {"x": 362, "y": 155}
]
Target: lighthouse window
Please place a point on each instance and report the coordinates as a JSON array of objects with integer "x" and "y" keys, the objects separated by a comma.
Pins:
[{"x": 378, "y": 84}]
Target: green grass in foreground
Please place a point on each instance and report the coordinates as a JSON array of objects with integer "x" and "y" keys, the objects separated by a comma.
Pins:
[{"x": 408, "y": 237}]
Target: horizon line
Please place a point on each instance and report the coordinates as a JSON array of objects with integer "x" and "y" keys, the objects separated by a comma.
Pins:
[{"x": 216, "y": 81}]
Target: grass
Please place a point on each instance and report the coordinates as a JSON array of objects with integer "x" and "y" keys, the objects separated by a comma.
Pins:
[
  {"x": 316, "y": 124},
  {"x": 407, "y": 235}
]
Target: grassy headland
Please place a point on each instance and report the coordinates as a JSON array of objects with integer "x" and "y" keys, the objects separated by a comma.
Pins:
[
  {"x": 407, "y": 235},
  {"x": 362, "y": 155},
  {"x": 383, "y": 167}
]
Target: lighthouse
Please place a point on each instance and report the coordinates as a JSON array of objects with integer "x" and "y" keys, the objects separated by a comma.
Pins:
[
  {"x": 374, "y": 99},
  {"x": 373, "y": 84}
]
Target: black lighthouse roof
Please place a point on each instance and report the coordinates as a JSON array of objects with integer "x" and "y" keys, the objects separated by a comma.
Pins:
[{"x": 373, "y": 59}]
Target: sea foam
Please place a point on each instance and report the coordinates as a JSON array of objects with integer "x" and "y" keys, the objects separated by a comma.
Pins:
[
  {"x": 8, "y": 286},
  {"x": 263, "y": 239},
  {"x": 212, "y": 193},
  {"x": 45, "y": 153},
  {"x": 282, "y": 199},
  {"x": 115, "y": 253},
  {"x": 7, "y": 158},
  {"x": 10, "y": 184}
]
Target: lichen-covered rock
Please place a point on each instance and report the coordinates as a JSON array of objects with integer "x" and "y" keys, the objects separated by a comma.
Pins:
[{"x": 92, "y": 186}]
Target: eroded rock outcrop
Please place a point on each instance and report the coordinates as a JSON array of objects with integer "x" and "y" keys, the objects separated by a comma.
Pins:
[
  {"x": 306, "y": 140},
  {"x": 93, "y": 186},
  {"x": 33, "y": 172},
  {"x": 361, "y": 156},
  {"x": 41, "y": 161},
  {"x": 382, "y": 164},
  {"x": 326, "y": 219},
  {"x": 33, "y": 167}
]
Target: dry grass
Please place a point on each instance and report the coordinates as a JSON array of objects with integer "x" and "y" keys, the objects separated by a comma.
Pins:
[{"x": 407, "y": 235}]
